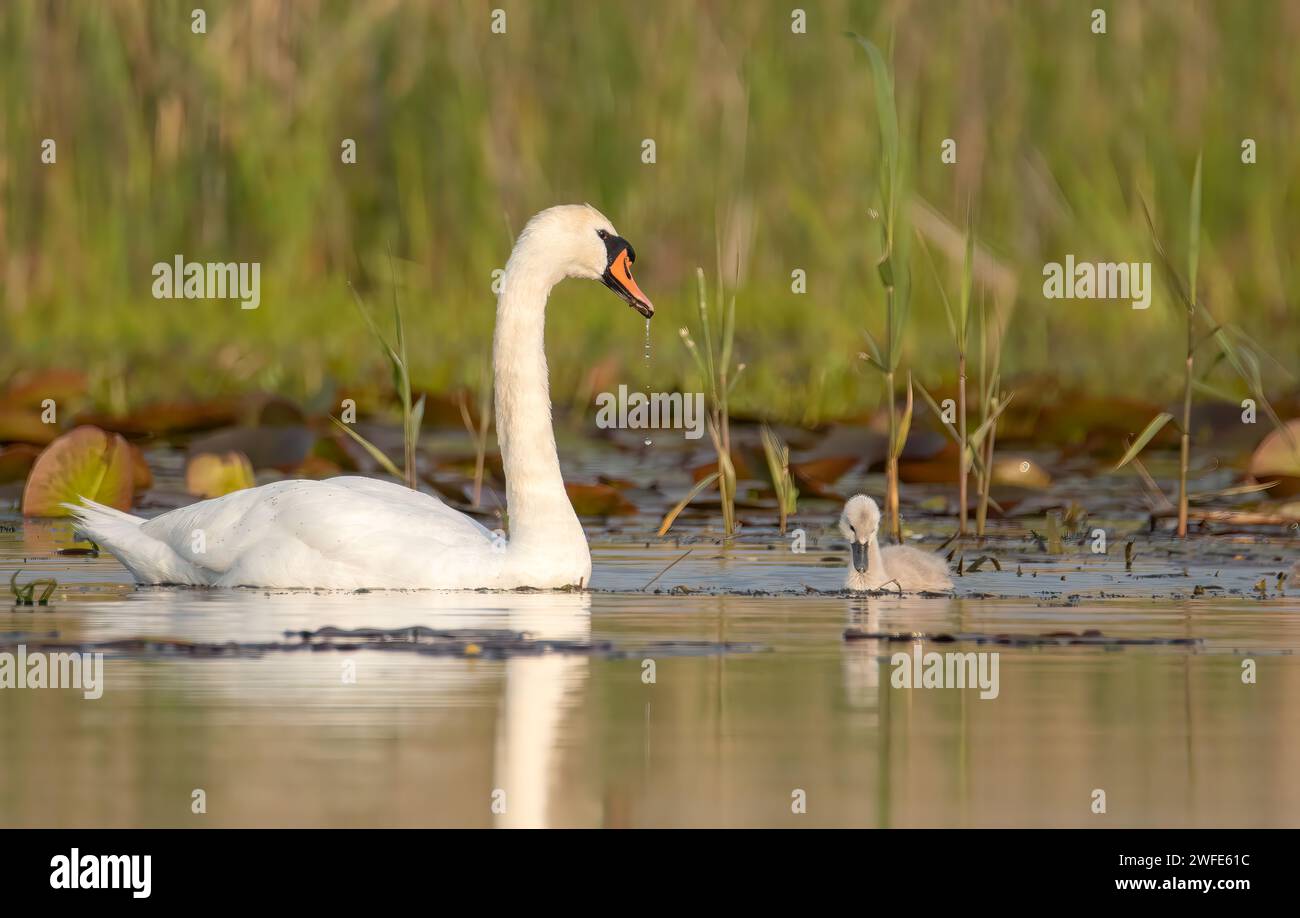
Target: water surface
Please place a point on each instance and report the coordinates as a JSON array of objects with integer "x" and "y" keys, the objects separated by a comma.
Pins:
[{"x": 1171, "y": 733}]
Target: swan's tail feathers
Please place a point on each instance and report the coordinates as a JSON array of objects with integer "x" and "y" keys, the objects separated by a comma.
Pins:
[
  {"x": 88, "y": 513},
  {"x": 148, "y": 559}
]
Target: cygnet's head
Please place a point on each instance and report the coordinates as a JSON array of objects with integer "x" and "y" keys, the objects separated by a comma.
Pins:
[
  {"x": 576, "y": 240},
  {"x": 859, "y": 523}
]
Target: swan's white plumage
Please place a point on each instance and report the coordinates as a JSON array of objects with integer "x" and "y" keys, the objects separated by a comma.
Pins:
[
  {"x": 343, "y": 533},
  {"x": 897, "y": 567},
  {"x": 352, "y": 533}
]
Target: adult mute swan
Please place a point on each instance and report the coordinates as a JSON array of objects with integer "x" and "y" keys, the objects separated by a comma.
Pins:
[
  {"x": 900, "y": 567},
  {"x": 351, "y": 532}
]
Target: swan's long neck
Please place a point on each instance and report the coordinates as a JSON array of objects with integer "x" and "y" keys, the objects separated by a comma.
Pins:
[
  {"x": 541, "y": 516},
  {"x": 876, "y": 562}
]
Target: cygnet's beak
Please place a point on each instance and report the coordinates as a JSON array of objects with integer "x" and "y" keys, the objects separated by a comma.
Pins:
[
  {"x": 618, "y": 275},
  {"x": 859, "y": 552}
]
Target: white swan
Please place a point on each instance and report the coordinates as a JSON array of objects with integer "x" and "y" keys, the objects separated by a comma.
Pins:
[
  {"x": 898, "y": 567},
  {"x": 352, "y": 533}
]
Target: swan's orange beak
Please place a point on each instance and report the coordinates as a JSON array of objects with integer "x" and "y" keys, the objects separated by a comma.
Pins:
[{"x": 618, "y": 276}]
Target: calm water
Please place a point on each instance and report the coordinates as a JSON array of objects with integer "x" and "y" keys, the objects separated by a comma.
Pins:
[{"x": 1170, "y": 733}]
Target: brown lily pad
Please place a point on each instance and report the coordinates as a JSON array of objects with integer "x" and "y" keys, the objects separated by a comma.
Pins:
[
  {"x": 22, "y": 425},
  {"x": 85, "y": 462},
  {"x": 16, "y": 461},
  {"x": 598, "y": 500},
  {"x": 283, "y": 448},
  {"x": 317, "y": 467},
  {"x": 826, "y": 470},
  {"x": 141, "y": 474},
  {"x": 1277, "y": 458},
  {"x": 30, "y": 389},
  {"x": 163, "y": 418},
  {"x": 740, "y": 461}
]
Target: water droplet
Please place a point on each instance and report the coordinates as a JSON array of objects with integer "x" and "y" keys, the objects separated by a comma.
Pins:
[{"x": 648, "y": 441}]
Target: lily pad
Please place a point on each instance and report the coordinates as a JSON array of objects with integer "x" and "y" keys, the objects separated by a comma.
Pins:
[
  {"x": 598, "y": 500},
  {"x": 16, "y": 461},
  {"x": 283, "y": 448},
  {"x": 1020, "y": 472},
  {"x": 1278, "y": 458},
  {"x": 85, "y": 462},
  {"x": 826, "y": 470},
  {"x": 165, "y": 418},
  {"x": 141, "y": 474},
  {"x": 22, "y": 425},
  {"x": 213, "y": 474},
  {"x": 31, "y": 389}
]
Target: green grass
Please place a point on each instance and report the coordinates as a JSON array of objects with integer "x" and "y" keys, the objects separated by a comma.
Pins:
[{"x": 226, "y": 147}]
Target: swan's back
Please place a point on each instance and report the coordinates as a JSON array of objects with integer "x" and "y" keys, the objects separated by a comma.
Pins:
[
  {"x": 915, "y": 570},
  {"x": 340, "y": 533}
]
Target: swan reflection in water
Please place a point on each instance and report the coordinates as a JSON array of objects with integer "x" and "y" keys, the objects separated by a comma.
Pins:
[
  {"x": 861, "y": 660},
  {"x": 538, "y": 690}
]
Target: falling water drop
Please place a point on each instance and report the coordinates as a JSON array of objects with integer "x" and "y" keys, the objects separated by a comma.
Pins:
[{"x": 648, "y": 441}]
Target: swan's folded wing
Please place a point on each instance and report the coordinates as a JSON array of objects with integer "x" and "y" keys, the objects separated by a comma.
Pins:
[{"x": 353, "y": 522}]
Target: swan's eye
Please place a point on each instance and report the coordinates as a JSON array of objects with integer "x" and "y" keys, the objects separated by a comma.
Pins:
[{"x": 602, "y": 234}]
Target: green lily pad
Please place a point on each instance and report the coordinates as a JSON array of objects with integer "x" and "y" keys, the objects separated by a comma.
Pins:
[
  {"x": 85, "y": 462},
  {"x": 213, "y": 475}
]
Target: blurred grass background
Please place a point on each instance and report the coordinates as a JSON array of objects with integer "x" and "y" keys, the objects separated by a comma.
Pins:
[{"x": 226, "y": 146}]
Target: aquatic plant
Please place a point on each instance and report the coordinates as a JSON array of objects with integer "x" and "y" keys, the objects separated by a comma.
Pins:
[
  {"x": 1241, "y": 352},
  {"x": 892, "y": 268},
  {"x": 478, "y": 433},
  {"x": 24, "y": 594},
  {"x": 959, "y": 327},
  {"x": 714, "y": 365},
  {"x": 777, "y": 454},
  {"x": 412, "y": 414}
]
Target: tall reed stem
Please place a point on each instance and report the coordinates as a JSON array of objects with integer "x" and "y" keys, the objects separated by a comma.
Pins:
[
  {"x": 962, "y": 471},
  {"x": 1184, "y": 457},
  {"x": 891, "y": 466}
]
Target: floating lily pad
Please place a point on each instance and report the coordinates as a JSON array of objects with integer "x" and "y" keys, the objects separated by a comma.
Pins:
[
  {"x": 283, "y": 448},
  {"x": 141, "y": 474},
  {"x": 318, "y": 468},
  {"x": 31, "y": 389},
  {"x": 1020, "y": 472},
  {"x": 1278, "y": 458},
  {"x": 85, "y": 462},
  {"x": 23, "y": 425},
  {"x": 163, "y": 418},
  {"x": 213, "y": 474},
  {"x": 598, "y": 500},
  {"x": 16, "y": 461},
  {"x": 826, "y": 470}
]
